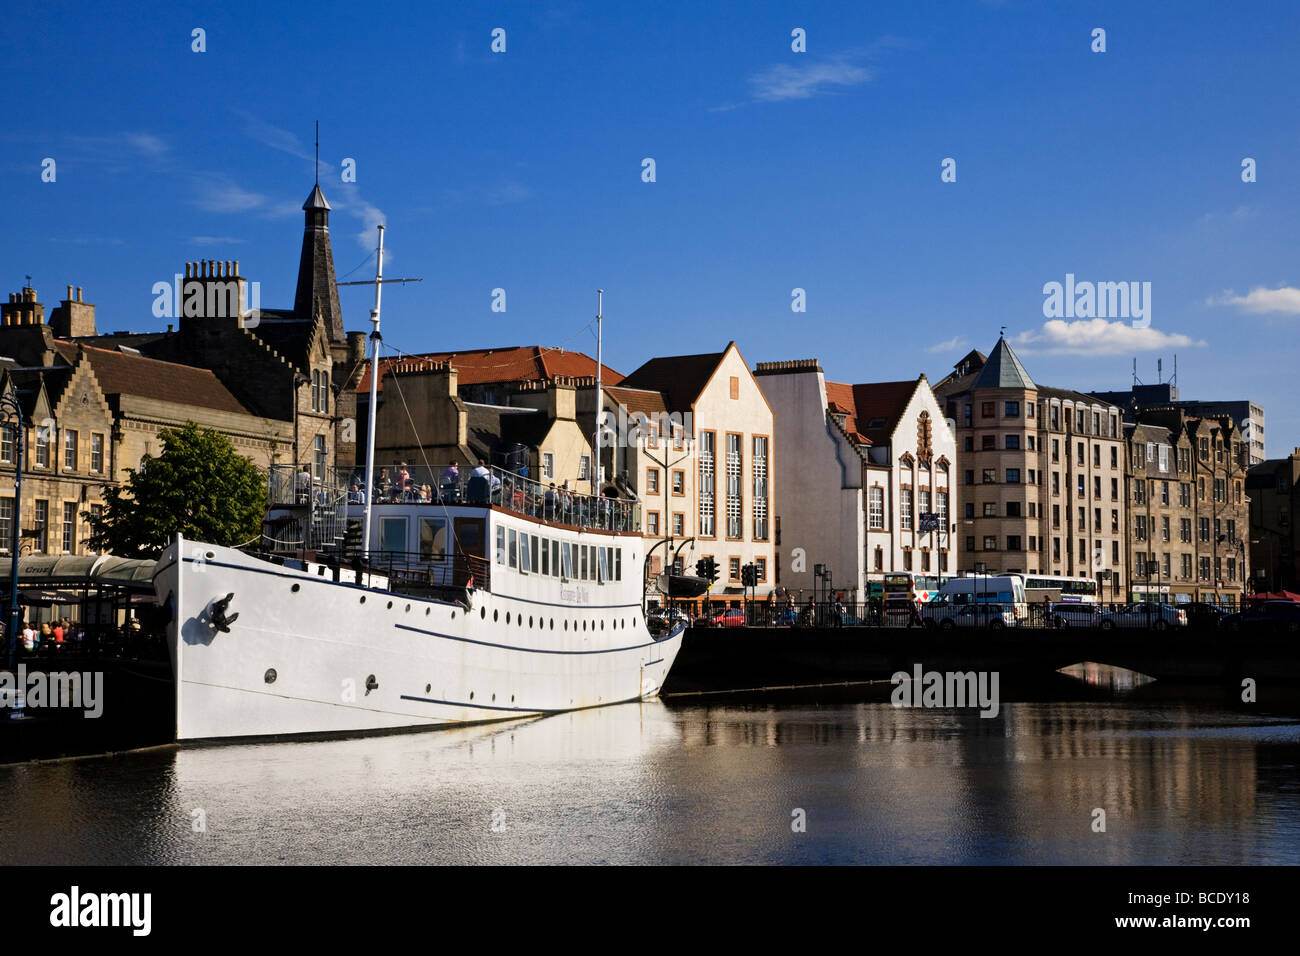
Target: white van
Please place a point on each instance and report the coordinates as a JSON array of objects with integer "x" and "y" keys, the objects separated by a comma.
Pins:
[{"x": 1007, "y": 590}]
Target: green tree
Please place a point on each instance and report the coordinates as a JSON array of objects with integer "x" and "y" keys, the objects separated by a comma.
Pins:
[{"x": 199, "y": 486}]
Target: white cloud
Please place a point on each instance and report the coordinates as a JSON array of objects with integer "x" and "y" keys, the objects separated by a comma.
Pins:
[
  {"x": 1260, "y": 300},
  {"x": 1098, "y": 337},
  {"x": 785, "y": 82},
  {"x": 146, "y": 143},
  {"x": 956, "y": 342},
  {"x": 216, "y": 240},
  {"x": 226, "y": 196}
]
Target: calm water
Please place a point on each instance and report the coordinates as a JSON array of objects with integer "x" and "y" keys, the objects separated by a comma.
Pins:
[{"x": 681, "y": 781}]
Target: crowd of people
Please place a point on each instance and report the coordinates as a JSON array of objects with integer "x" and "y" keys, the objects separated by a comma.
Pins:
[{"x": 64, "y": 636}]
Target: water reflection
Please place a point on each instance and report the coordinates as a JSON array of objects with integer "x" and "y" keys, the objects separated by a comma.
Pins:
[{"x": 686, "y": 782}]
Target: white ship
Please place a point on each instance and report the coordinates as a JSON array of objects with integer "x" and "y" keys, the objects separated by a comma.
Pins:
[
  {"x": 538, "y": 611},
  {"x": 467, "y": 599}
]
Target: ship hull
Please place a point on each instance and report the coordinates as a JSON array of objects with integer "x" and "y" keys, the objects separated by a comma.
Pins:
[{"x": 311, "y": 655}]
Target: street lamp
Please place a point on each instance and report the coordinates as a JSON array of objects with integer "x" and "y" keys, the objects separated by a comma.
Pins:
[{"x": 11, "y": 408}]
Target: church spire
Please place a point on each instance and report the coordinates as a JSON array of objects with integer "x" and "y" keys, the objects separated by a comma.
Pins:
[{"x": 317, "y": 291}]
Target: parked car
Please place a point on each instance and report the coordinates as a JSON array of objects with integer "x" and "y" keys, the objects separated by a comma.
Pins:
[
  {"x": 731, "y": 617},
  {"x": 664, "y": 620},
  {"x": 993, "y": 616},
  {"x": 1073, "y": 615},
  {"x": 1156, "y": 617},
  {"x": 1204, "y": 616},
  {"x": 1275, "y": 616}
]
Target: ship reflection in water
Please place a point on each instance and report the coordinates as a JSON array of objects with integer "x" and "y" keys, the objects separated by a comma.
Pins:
[
  {"x": 1111, "y": 678},
  {"x": 684, "y": 781}
]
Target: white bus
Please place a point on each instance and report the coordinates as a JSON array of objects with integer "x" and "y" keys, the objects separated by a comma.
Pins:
[
  {"x": 1007, "y": 590},
  {"x": 1060, "y": 590}
]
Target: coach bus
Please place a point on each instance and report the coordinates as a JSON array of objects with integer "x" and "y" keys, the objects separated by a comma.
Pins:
[
  {"x": 1059, "y": 590},
  {"x": 900, "y": 587}
]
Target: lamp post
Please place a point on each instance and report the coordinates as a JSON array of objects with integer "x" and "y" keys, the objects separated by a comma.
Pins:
[{"x": 10, "y": 408}]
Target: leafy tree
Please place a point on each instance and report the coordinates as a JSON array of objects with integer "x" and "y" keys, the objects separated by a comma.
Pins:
[{"x": 199, "y": 486}]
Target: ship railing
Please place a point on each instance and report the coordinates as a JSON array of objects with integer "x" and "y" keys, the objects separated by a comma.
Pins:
[
  {"x": 430, "y": 570},
  {"x": 307, "y": 507},
  {"x": 452, "y": 485}
]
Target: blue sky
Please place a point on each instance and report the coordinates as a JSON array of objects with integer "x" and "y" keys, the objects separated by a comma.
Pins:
[{"x": 775, "y": 170}]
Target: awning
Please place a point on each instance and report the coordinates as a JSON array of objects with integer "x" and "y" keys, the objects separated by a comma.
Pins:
[{"x": 80, "y": 571}]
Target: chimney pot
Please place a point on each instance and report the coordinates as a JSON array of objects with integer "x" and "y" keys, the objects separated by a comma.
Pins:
[
  {"x": 69, "y": 293},
  {"x": 78, "y": 293},
  {"x": 236, "y": 267}
]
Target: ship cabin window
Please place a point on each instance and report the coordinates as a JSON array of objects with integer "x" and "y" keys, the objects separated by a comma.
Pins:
[
  {"x": 582, "y": 558},
  {"x": 534, "y": 545},
  {"x": 514, "y": 547},
  {"x": 501, "y": 545},
  {"x": 568, "y": 561},
  {"x": 392, "y": 534},
  {"x": 555, "y": 558},
  {"x": 618, "y": 564},
  {"x": 546, "y": 557},
  {"x": 433, "y": 538},
  {"x": 604, "y": 565},
  {"x": 525, "y": 565}
]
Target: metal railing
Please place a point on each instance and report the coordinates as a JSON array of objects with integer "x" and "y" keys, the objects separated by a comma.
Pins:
[{"x": 874, "y": 614}]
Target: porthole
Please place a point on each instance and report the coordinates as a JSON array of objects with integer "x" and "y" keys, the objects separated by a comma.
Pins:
[
  {"x": 552, "y": 624},
  {"x": 482, "y": 613},
  {"x": 494, "y": 698},
  {"x": 512, "y": 698},
  {"x": 427, "y": 688},
  {"x": 602, "y": 625},
  {"x": 566, "y": 625},
  {"x": 390, "y": 605},
  {"x": 471, "y": 695},
  {"x": 270, "y": 675},
  {"x": 408, "y": 609},
  {"x": 507, "y": 617},
  {"x": 429, "y": 610},
  {"x": 495, "y": 615},
  {"x": 530, "y": 620},
  {"x": 584, "y": 625},
  {"x": 296, "y": 588},
  {"x": 209, "y": 555},
  {"x": 363, "y": 599}
]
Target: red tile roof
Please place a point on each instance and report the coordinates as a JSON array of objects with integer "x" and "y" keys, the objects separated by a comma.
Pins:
[
  {"x": 120, "y": 373},
  {"x": 524, "y": 363},
  {"x": 866, "y": 403},
  {"x": 635, "y": 400}
]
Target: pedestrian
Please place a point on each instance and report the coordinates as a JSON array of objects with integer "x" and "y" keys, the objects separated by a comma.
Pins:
[{"x": 29, "y": 636}]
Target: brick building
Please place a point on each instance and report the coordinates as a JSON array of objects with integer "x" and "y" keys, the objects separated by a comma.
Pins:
[{"x": 1273, "y": 488}]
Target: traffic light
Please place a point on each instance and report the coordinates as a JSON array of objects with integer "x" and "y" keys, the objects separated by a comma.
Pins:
[
  {"x": 702, "y": 568},
  {"x": 710, "y": 569},
  {"x": 749, "y": 576}
]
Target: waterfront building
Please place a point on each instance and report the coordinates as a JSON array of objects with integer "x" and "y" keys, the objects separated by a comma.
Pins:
[
  {"x": 705, "y": 474},
  {"x": 1041, "y": 475},
  {"x": 867, "y": 478},
  {"x": 1273, "y": 491},
  {"x": 1248, "y": 416}
]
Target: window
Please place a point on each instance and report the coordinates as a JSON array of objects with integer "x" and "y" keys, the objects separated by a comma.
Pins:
[
  {"x": 1139, "y": 492},
  {"x": 905, "y": 509},
  {"x": 1033, "y": 509},
  {"x": 1056, "y": 544},
  {"x": 1096, "y": 519},
  {"x": 1056, "y": 482},
  {"x": 907, "y": 559},
  {"x": 1012, "y": 410},
  {"x": 1013, "y": 542},
  {"x": 970, "y": 476},
  {"x": 1114, "y": 521},
  {"x": 42, "y": 447},
  {"x": 1056, "y": 449},
  {"x": 941, "y": 509},
  {"x": 970, "y": 443},
  {"x": 990, "y": 542},
  {"x": 1114, "y": 456},
  {"x": 990, "y": 509},
  {"x": 7, "y": 443},
  {"x": 69, "y": 527},
  {"x": 876, "y": 508},
  {"x": 1096, "y": 487},
  {"x": 707, "y": 528},
  {"x": 584, "y": 468},
  {"x": 1096, "y": 456},
  {"x": 970, "y": 542},
  {"x": 501, "y": 545},
  {"x": 514, "y": 546},
  {"x": 1013, "y": 442},
  {"x": 922, "y": 503},
  {"x": 1203, "y": 529},
  {"x": 1056, "y": 422},
  {"x": 652, "y": 481},
  {"x": 970, "y": 509},
  {"x": 879, "y": 558},
  {"x": 1164, "y": 528},
  {"x": 1081, "y": 486},
  {"x": 1013, "y": 511},
  {"x": 1030, "y": 478},
  {"x": 318, "y": 458},
  {"x": 1164, "y": 490},
  {"x": 1033, "y": 539},
  {"x": 1013, "y": 476},
  {"x": 1204, "y": 563},
  {"x": 759, "y": 505},
  {"x": 1140, "y": 527},
  {"x": 97, "y": 453},
  {"x": 679, "y": 482},
  {"x": 1030, "y": 438},
  {"x": 1114, "y": 489},
  {"x": 733, "y": 569},
  {"x": 548, "y": 464},
  {"x": 42, "y": 524},
  {"x": 986, "y": 409},
  {"x": 990, "y": 476},
  {"x": 1096, "y": 423},
  {"x": 988, "y": 442},
  {"x": 6, "y": 523},
  {"x": 525, "y": 553},
  {"x": 652, "y": 435},
  {"x": 1187, "y": 566},
  {"x": 679, "y": 524},
  {"x": 735, "y": 504},
  {"x": 1029, "y": 410},
  {"x": 1185, "y": 464},
  {"x": 760, "y": 567},
  {"x": 1083, "y": 520},
  {"x": 1184, "y": 529},
  {"x": 652, "y": 522},
  {"x": 1080, "y": 454}
]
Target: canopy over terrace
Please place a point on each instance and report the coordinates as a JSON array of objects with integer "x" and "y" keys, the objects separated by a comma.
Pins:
[{"x": 68, "y": 580}]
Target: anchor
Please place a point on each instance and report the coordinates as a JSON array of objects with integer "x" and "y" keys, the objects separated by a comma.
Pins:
[{"x": 218, "y": 616}]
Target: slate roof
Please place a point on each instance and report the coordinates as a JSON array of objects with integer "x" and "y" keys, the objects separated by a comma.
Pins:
[
  {"x": 679, "y": 378},
  {"x": 119, "y": 373},
  {"x": 635, "y": 400},
  {"x": 1003, "y": 370}
]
